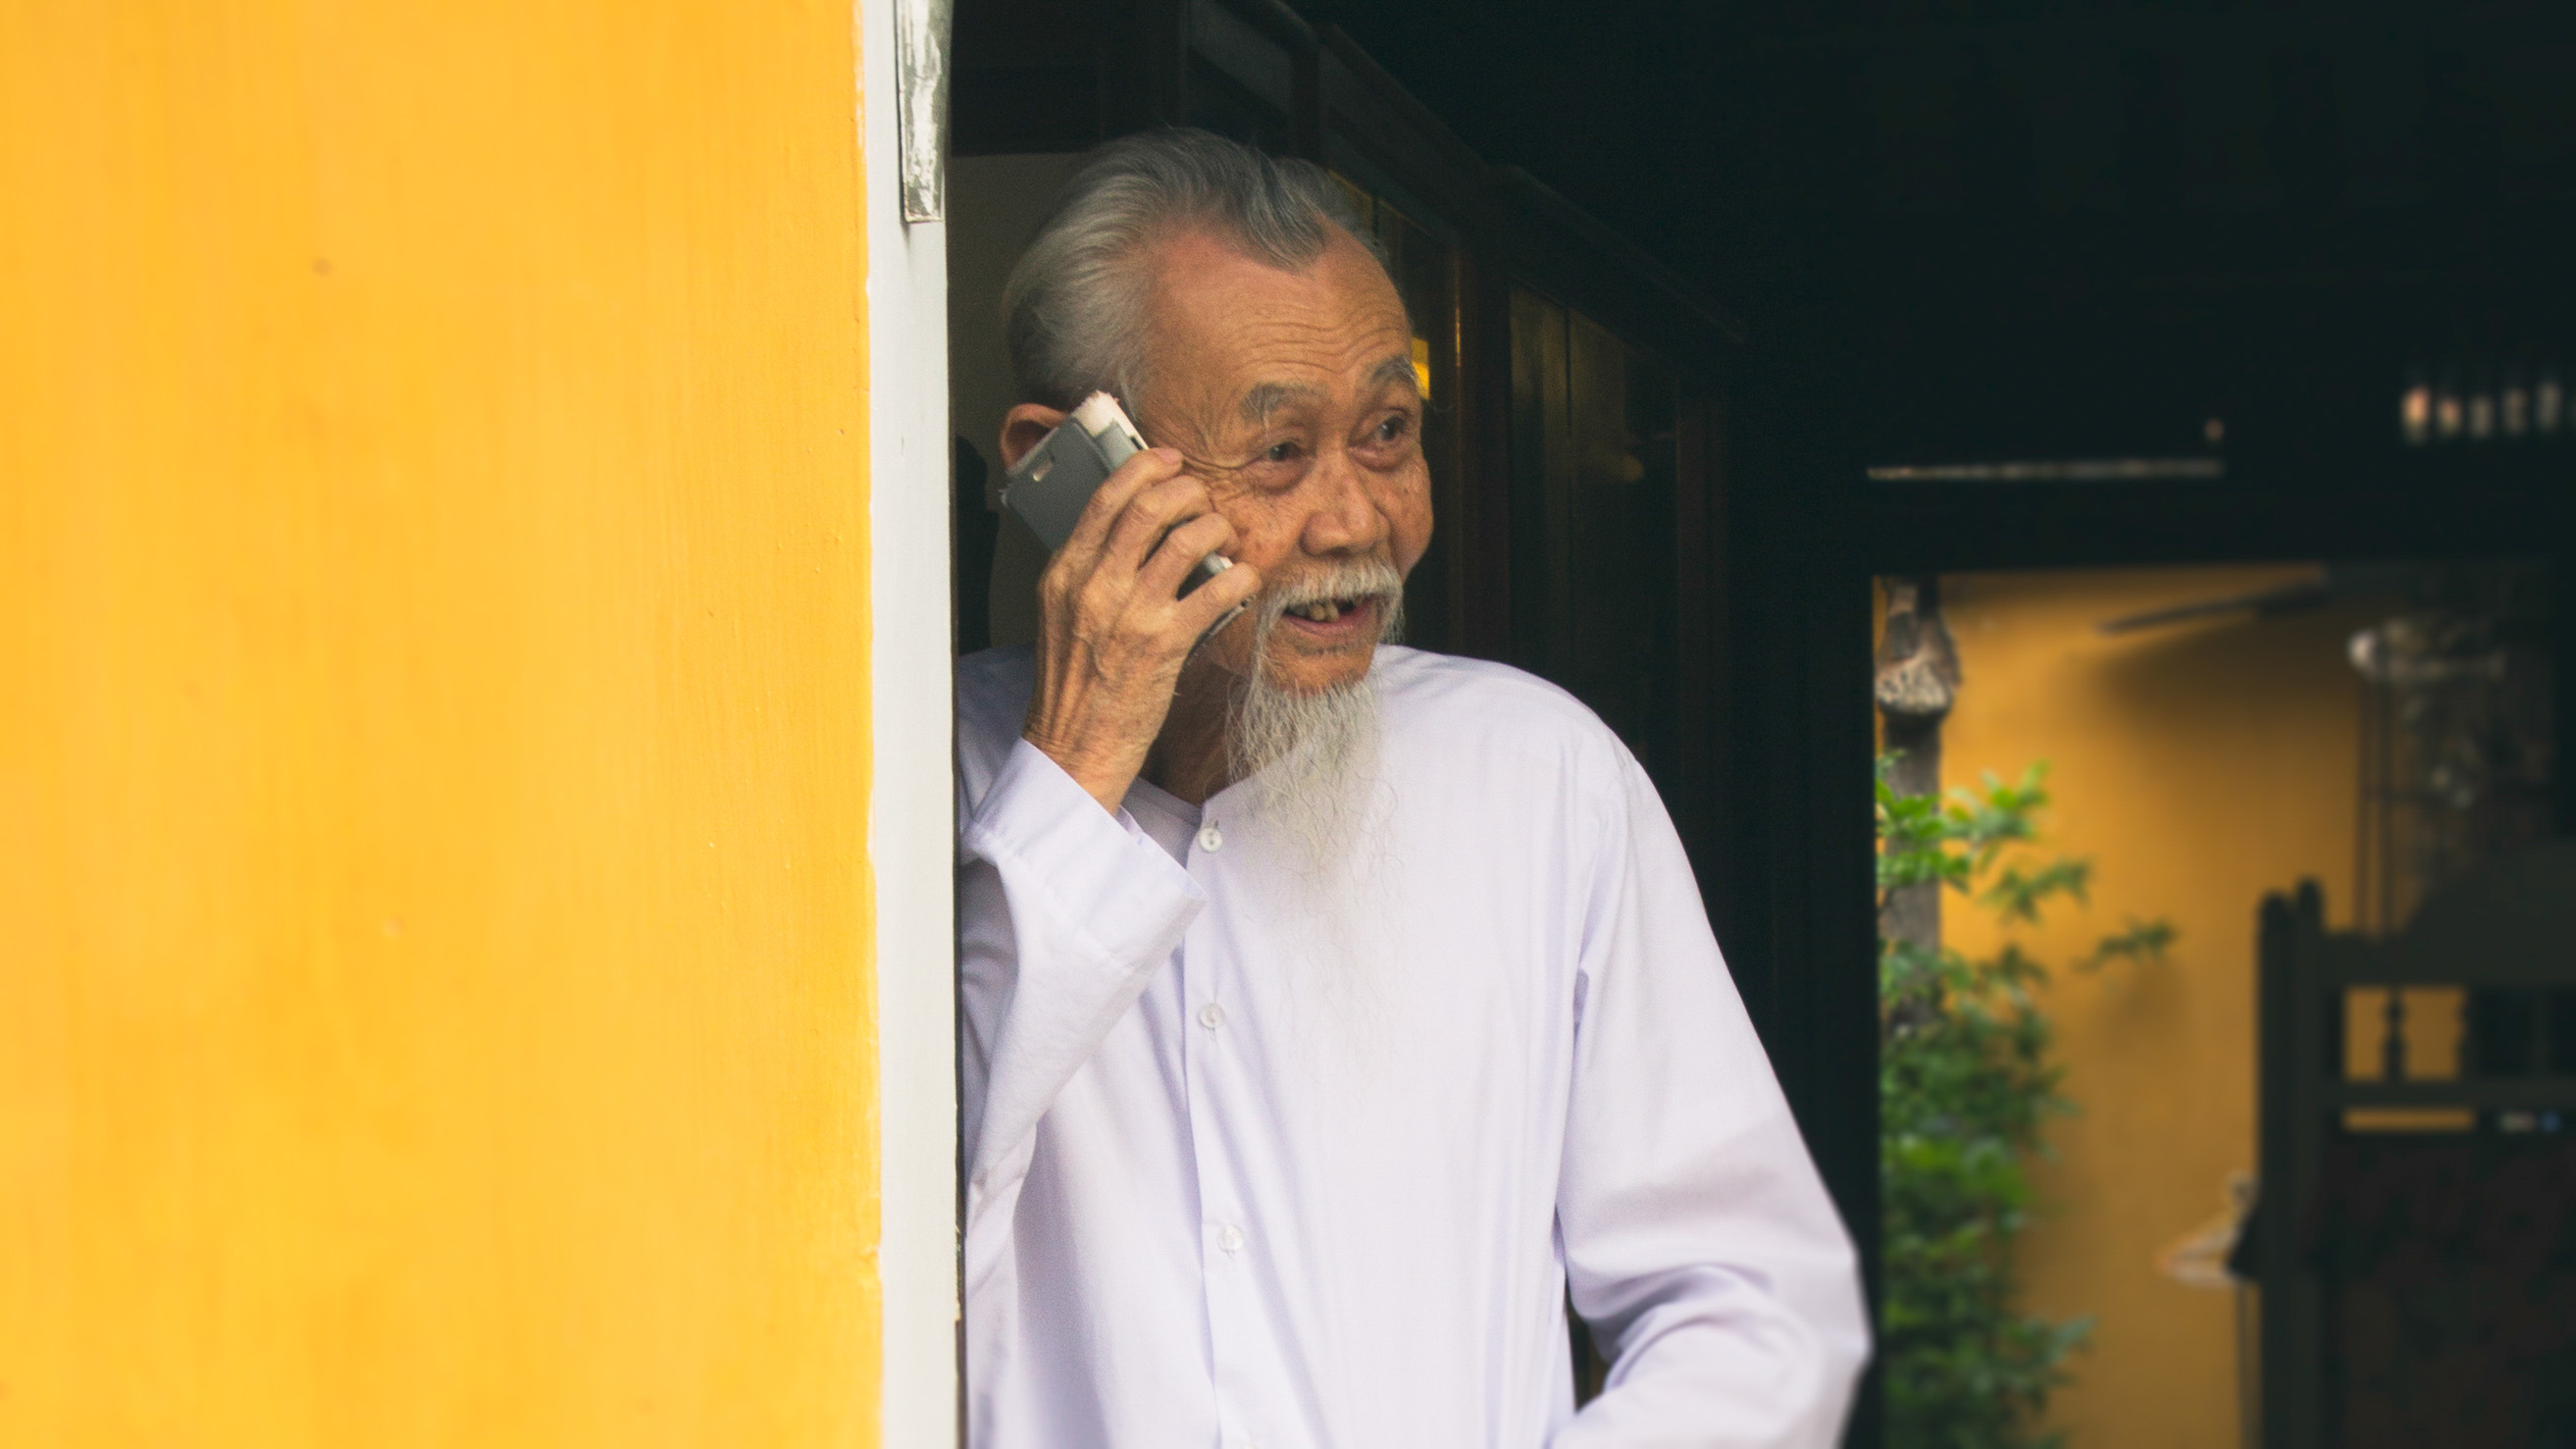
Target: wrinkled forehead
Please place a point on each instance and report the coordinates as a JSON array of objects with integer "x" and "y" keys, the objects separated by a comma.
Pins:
[{"x": 1228, "y": 331}]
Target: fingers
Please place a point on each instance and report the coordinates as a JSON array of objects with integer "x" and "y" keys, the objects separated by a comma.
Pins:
[
  {"x": 1209, "y": 601},
  {"x": 1109, "y": 501},
  {"x": 1085, "y": 559},
  {"x": 1164, "y": 574},
  {"x": 1150, "y": 514},
  {"x": 1115, "y": 584}
]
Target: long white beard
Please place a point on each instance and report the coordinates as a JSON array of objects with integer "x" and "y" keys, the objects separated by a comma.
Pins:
[{"x": 1312, "y": 762}]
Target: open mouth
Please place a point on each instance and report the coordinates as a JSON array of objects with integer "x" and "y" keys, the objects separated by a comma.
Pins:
[{"x": 1334, "y": 619}]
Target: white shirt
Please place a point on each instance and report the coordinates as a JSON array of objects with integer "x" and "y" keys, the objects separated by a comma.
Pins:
[{"x": 1234, "y": 1179}]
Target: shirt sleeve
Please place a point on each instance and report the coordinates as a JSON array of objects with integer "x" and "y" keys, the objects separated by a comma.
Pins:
[
  {"x": 1065, "y": 913},
  {"x": 1699, "y": 1240}
]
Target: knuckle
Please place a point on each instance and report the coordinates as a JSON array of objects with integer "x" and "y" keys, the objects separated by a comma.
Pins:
[{"x": 1106, "y": 500}]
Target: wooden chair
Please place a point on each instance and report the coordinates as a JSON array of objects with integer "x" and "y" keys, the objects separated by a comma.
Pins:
[{"x": 2421, "y": 1287}]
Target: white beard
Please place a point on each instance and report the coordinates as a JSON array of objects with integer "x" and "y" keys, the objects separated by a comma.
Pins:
[{"x": 1313, "y": 757}]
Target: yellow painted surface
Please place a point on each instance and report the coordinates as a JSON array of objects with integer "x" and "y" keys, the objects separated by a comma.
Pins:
[
  {"x": 434, "y": 980},
  {"x": 2199, "y": 766}
]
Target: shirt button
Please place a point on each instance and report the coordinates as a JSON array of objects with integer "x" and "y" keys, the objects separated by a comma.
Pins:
[
  {"x": 1211, "y": 839},
  {"x": 1211, "y": 1016},
  {"x": 1230, "y": 1238}
]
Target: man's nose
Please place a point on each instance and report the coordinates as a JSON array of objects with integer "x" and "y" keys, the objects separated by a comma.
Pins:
[{"x": 1342, "y": 513}]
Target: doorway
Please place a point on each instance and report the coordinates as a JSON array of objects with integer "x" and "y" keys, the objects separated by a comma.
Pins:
[{"x": 2130, "y": 760}]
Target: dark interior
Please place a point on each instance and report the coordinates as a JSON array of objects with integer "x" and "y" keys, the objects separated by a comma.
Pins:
[{"x": 1728, "y": 310}]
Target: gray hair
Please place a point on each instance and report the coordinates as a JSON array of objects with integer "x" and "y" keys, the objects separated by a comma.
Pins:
[{"x": 1074, "y": 308}]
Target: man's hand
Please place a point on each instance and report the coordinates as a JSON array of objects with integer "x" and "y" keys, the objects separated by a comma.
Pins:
[{"x": 1112, "y": 635}]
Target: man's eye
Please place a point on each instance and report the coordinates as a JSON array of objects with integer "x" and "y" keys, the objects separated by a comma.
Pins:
[
  {"x": 1280, "y": 453},
  {"x": 1396, "y": 426}
]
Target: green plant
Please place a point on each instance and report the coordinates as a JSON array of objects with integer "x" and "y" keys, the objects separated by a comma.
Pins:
[{"x": 1965, "y": 1087}]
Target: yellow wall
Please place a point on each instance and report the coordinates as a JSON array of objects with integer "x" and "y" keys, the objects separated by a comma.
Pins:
[
  {"x": 2199, "y": 766},
  {"x": 434, "y": 982}
]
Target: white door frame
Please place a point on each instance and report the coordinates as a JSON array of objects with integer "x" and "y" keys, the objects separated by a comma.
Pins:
[{"x": 911, "y": 836}]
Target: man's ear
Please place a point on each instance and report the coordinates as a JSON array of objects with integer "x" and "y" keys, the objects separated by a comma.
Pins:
[{"x": 1023, "y": 428}]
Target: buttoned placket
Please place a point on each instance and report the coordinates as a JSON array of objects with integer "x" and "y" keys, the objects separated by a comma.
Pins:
[{"x": 1225, "y": 1242}]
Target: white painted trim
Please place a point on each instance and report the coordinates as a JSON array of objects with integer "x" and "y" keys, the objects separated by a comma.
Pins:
[{"x": 911, "y": 840}]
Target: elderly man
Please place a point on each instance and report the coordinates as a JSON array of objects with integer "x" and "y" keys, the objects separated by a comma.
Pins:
[{"x": 1330, "y": 1009}]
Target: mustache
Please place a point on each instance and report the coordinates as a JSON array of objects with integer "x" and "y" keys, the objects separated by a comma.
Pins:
[{"x": 1345, "y": 583}]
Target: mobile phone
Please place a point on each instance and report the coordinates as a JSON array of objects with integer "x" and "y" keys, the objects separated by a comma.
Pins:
[{"x": 1052, "y": 484}]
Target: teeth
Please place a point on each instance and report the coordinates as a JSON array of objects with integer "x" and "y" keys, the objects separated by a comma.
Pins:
[{"x": 1322, "y": 611}]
